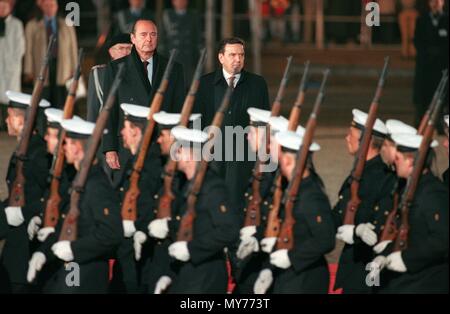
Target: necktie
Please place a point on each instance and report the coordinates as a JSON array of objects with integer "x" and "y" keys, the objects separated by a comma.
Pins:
[
  {"x": 231, "y": 81},
  {"x": 146, "y": 63},
  {"x": 50, "y": 32}
]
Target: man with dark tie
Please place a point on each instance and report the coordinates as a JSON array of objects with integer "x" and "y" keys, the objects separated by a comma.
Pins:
[{"x": 144, "y": 69}]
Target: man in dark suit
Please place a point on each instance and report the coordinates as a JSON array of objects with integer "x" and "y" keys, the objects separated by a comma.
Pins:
[
  {"x": 250, "y": 90},
  {"x": 144, "y": 69}
]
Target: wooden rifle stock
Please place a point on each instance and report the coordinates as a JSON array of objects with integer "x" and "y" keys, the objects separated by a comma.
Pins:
[
  {"x": 401, "y": 242},
  {"x": 165, "y": 202},
  {"x": 360, "y": 162},
  {"x": 253, "y": 211},
  {"x": 186, "y": 232},
  {"x": 390, "y": 229},
  {"x": 286, "y": 237},
  {"x": 51, "y": 212},
  {"x": 69, "y": 231},
  {"x": 297, "y": 110},
  {"x": 17, "y": 193},
  {"x": 129, "y": 205},
  {"x": 426, "y": 117}
]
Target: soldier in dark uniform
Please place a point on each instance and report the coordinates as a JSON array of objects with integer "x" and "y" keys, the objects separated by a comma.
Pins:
[
  {"x": 119, "y": 47},
  {"x": 375, "y": 189},
  {"x": 143, "y": 72},
  {"x": 125, "y": 19},
  {"x": 445, "y": 175},
  {"x": 423, "y": 266},
  {"x": 200, "y": 265},
  {"x": 250, "y": 90},
  {"x": 45, "y": 235},
  {"x": 181, "y": 30},
  {"x": 304, "y": 268},
  {"x": 99, "y": 225},
  {"x": 431, "y": 42},
  {"x": 16, "y": 251},
  {"x": 128, "y": 270}
]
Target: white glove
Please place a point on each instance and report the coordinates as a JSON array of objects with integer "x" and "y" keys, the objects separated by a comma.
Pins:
[
  {"x": 159, "y": 228},
  {"x": 35, "y": 264},
  {"x": 33, "y": 227},
  {"x": 395, "y": 262},
  {"x": 128, "y": 228},
  {"x": 247, "y": 231},
  {"x": 345, "y": 233},
  {"x": 179, "y": 250},
  {"x": 376, "y": 266},
  {"x": 163, "y": 283},
  {"x": 380, "y": 247},
  {"x": 263, "y": 282},
  {"x": 280, "y": 259},
  {"x": 139, "y": 238},
  {"x": 267, "y": 244},
  {"x": 63, "y": 251},
  {"x": 247, "y": 246},
  {"x": 366, "y": 233},
  {"x": 14, "y": 216},
  {"x": 43, "y": 233}
]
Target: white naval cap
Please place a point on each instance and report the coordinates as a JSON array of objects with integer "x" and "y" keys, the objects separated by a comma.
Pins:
[
  {"x": 410, "y": 142},
  {"x": 78, "y": 128},
  {"x": 398, "y": 127},
  {"x": 279, "y": 124},
  {"x": 23, "y": 101},
  {"x": 167, "y": 120},
  {"x": 293, "y": 141},
  {"x": 360, "y": 119},
  {"x": 55, "y": 117},
  {"x": 183, "y": 134},
  {"x": 259, "y": 116},
  {"x": 446, "y": 120},
  {"x": 135, "y": 112}
]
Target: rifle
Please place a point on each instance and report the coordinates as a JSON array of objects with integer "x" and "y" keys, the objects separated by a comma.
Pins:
[
  {"x": 253, "y": 212},
  {"x": 186, "y": 230},
  {"x": 165, "y": 202},
  {"x": 273, "y": 221},
  {"x": 360, "y": 162},
  {"x": 129, "y": 205},
  {"x": 426, "y": 117},
  {"x": 51, "y": 212},
  {"x": 286, "y": 237},
  {"x": 17, "y": 193},
  {"x": 401, "y": 242},
  {"x": 69, "y": 229}
]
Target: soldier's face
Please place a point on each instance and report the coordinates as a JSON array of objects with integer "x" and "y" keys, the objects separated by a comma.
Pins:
[
  {"x": 15, "y": 121},
  {"x": 388, "y": 151},
  {"x": 233, "y": 58},
  {"x": 119, "y": 51},
  {"x": 403, "y": 165},
  {"x": 446, "y": 144},
  {"x": 165, "y": 140},
  {"x": 131, "y": 136},
  {"x": 180, "y": 4},
  {"x": 287, "y": 164},
  {"x": 256, "y": 137},
  {"x": 51, "y": 137},
  {"x": 145, "y": 38},
  {"x": 436, "y": 5},
  {"x": 73, "y": 150},
  {"x": 275, "y": 149},
  {"x": 5, "y": 8},
  {"x": 352, "y": 140},
  {"x": 136, "y": 3}
]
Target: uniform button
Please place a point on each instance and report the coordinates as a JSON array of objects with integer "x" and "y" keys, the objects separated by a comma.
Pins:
[
  {"x": 377, "y": 208},
  {"x": 271, "y": 206},
  {"x": 8, "y": 182},
  {"x": 156, "y": 196},
  {"x": 386, "y": 213},
  {"x": 382, "y": 228},
  {"x": 245, "y": 209},
  {"x": 264, "y": 218},
  {"x": 250, "y": 198},
  {"x": 341, "y": 197},
  {"x": 63, "y": 216},
  {"x": 155, "y": 211},
  {"x": 159, "y": 242},
  {"x": 178, "y": 218},
  {"x": 266, "y": 203},
  {"x": 42, "y": 200},
  {"x": 375, "y": 222},
  {"x": 122, "y": 189},
  {"x": 340, "y": 212},
  {"x": 246, "y": 194}
]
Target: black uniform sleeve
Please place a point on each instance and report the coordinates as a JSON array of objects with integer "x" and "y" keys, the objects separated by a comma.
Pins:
[
  {"x": 3, "y": 222},
  {"x": 225, "y": 228},
  {"x": 108, "y": 231},
  {"x": 322, "y": 239},
  {"x": 433, "y": 247},
  {"x": 177, "y": 89}
]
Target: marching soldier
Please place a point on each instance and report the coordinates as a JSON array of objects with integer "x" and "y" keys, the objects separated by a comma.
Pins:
[
  {"x": 200, "y": 265},
  {"x": 159, "y": 229},
  {"x": 304, "y": 268},
  {"x": 36, "y": 166},
  {"x": 99, "y": 225},
  {"x": 130, "y": 262},
  {"x": 376, "y": 185},
  {"x": 423, "y": 266}
]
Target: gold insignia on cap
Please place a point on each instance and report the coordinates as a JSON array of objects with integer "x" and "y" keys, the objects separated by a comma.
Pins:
[
  {"x": 106, "y": 211},
  {"x": 319, "y": 219},
  {"x": 436, "y": 217},
  {"x": 223, "y": 209}
]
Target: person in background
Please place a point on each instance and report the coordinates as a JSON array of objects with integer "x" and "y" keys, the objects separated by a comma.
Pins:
[
  {"x": 126, "y": 18},
  {"x": 407, "y": 22}
]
